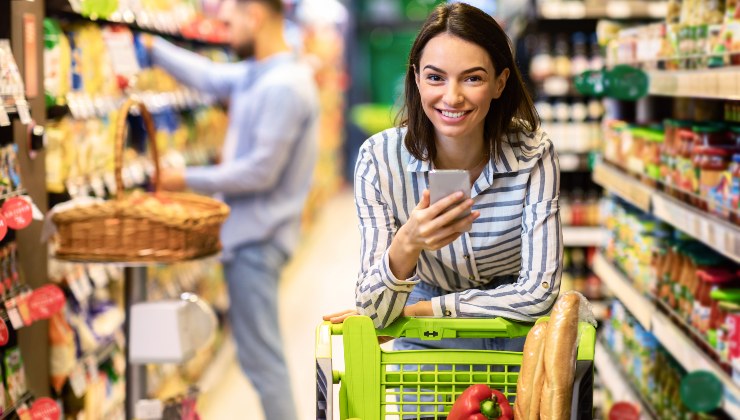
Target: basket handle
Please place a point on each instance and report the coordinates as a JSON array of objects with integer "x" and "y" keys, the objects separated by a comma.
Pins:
[
  {"x": 439, "y": 328},
  {"x": 119, "y": 146}
]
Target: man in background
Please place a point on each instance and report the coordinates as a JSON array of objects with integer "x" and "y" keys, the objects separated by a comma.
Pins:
[{"x": 265, "y": 174}]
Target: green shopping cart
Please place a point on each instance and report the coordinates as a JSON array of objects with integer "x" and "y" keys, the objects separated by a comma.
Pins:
[{"x": 418, "y": 384}]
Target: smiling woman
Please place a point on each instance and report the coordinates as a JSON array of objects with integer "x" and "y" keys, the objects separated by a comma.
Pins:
[{"x": 497, "y": 253}]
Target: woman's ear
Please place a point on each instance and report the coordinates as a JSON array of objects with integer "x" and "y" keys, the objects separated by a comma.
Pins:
[
  {"x": 416, "y": 74},
  {"x": 501, "y": 83}
]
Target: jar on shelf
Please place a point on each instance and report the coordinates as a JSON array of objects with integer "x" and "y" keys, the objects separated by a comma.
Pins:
[
  {"x": 636, "y": 150},
  {"x": 700, "y": 258},
  {"x": 705, "y": 315},
  {"x": 653, "y": 145},
  {"x": 711, "y": 163},
  {"x": 733, "y": 199},
  {"x": 684, "y": 173},
  {"x": 713, "y": 134}
]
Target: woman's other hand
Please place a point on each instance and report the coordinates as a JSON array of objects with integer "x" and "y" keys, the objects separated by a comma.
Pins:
[
  {"x": 431, "y": 228},
  {"x": 339, "y": 317}
]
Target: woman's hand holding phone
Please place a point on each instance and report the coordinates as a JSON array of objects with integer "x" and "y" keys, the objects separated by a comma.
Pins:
[{"x": 433, "y": 226}]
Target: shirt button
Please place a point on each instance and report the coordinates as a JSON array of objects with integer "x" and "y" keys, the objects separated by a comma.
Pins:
[
  {"x": 546, "y": 285},
  {"x": 448, "y": 313},
  {"x": 466, "y": 256},
  {"x": 471, "y": 277}
]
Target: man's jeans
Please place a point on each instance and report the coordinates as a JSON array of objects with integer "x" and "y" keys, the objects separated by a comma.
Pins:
[{"x": 252, "y": 274}]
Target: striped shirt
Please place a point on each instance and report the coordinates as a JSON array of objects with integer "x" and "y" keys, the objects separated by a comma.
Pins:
[{"x": 508, "y": 265}]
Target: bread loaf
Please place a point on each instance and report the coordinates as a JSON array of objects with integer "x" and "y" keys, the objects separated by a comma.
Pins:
[
  {"x": 560, "y": 358},
  {"x": 531, "y": 375}
]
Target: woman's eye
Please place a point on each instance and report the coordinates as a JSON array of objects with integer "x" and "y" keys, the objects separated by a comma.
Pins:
[
  {"x": 434, "y": 78},
  {"x": 474, "y": 79}
]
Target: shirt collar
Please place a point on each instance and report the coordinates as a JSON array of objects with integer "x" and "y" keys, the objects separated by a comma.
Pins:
[{"x": 508, "y": 162}]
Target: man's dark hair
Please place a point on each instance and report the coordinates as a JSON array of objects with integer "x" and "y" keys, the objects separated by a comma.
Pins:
[
  {"x": 274, "y": 5},
  {"x": 512, "y": 111}
]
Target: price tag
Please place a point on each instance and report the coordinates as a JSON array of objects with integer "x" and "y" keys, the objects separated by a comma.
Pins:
[
  {"x": 4, "y": 118},
  {"x": 110, "y": 183},
  {"x": 75, "y": 287},
  {"x": 98, "y": 275},
  {"x": 92, "y": 367},
  {"x": 15, "y": 317},
  {"x": 17, "y": 213},
  {"x": 78, "y": 381},
  {"x": 137, "y": 173},
  {"x": 21, "y": 107},
  {"x": 45, "y": 409},
  {"x": 46, "y": 301}
]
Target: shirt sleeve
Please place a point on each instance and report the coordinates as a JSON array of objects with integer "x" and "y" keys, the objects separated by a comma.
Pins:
[
  {"x": 379, "y": 294},
  {"x": 538, "y": 285},
  {"x": 196, "y": 71},
  {"x": 283, "y": 117}
]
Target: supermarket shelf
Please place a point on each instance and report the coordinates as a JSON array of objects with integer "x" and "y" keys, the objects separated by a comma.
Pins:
[
  {"x": 637, "y": 304},
  {"x": 623, "y": 185},
  {"x": 670, "y": 336},
  {"x": 714, "y": 232},
  {"x": 724, "y": 237},
  {"x": 583, "y": 236},
  {"x": 692, "y": 358},
  {"x": 573, "y": 162},
  {"x": 600, "y": 310},
  {"x": 156, "y": 26},
  {"x": 706, "y": 84},
  {"x": 11, "y": 411},
  {"x": 617, "y": 382},
  {"x": 630, "y": 9}
]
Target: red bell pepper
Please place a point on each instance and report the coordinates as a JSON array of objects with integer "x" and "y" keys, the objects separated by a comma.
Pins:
[{"x": 479, "y": 402}]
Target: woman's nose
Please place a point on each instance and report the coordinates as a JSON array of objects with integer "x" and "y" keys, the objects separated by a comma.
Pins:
[{"x": 453, "y": 96}]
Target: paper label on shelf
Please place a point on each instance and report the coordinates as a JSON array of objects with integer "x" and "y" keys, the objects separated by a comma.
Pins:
[
  {"x": 78, "y": 380},
  {"x": 13, "y": 315},
  {"x": 98, "y": 275},
  {"x": 4, "y": 118},
  {"x": 76, "y": 289},
  {"x": 45, "y": 409},
  {"x": 91, "y": 363}
]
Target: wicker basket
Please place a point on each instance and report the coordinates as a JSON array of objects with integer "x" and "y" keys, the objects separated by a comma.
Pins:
[{"x": 146, "y": 227}]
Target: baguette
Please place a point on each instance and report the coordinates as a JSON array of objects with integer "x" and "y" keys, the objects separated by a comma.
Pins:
[
  {"x": 560, "y": 358},
  {"x": 529, "y": 384}
]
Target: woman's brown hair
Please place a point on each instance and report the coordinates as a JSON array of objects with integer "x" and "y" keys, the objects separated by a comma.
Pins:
[{"x": 512, "y": 111}]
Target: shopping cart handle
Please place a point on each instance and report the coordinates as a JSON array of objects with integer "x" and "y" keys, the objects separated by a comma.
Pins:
[{"x": 439, "y": 328}]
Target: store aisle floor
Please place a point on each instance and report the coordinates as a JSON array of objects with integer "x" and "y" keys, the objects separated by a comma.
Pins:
[{"x": 320, "y": 279}]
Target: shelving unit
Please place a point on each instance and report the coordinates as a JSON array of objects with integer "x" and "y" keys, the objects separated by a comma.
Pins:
[
  {"x": 630, "y": 9},
  {"x": 670, "y": 336},
  {"x": 720, "y": 235},
  {"x": 617, "y": 382},
  {"x": 583, "y": 236},
  {"x": 721, "y": 83},
  {"x": 12, "y": 411},
  {"x": 141, "y": 23}
]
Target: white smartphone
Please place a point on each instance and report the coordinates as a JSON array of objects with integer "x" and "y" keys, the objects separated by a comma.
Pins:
[{"x": 448, "y": 181}]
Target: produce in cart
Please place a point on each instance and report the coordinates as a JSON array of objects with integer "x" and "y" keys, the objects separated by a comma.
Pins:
[{"x": 479, "y": 402}]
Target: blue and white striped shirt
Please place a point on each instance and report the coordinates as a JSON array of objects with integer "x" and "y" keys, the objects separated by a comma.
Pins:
[{"x": 517, "y": 234}]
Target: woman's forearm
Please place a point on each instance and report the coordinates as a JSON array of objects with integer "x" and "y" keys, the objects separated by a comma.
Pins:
[{"x": 402, "y": 257}]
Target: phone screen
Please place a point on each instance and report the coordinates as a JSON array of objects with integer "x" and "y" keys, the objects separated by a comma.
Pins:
[{"x": 445, "y": 182}]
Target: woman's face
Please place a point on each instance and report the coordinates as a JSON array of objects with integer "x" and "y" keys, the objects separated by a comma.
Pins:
[{"x": 457, "y": 83}]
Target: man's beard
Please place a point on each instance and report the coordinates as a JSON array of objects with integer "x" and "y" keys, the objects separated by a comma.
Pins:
[{"x": 245, "y": 50}]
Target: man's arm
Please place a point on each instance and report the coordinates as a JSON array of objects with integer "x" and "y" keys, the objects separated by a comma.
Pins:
[{"x": 196, "y": 71}]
